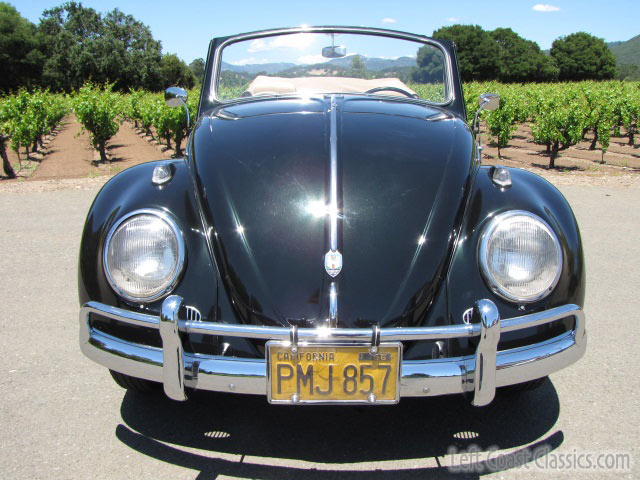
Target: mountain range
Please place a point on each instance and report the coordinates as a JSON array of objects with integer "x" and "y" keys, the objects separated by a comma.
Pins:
[
  {"x": 373, "y": 64},
  {"x": 627, "y": 52}
]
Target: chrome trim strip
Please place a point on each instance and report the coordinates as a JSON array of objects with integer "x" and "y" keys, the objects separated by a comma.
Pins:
[
  {"x": 333, "y": 305},
  {"x": 484, "y": 380},
  {"x": 418, "y": 378},
  {"x": 339, "y": 334},
  {"x": 192, "y": 314},
  {"x": 333, "y": 184},
  {"x": 480, "y": 373},
  {"x": 172, "y": 354},
  {"x": 333, "y": 206},
  {"x": 450, "y": 98},
  {"x": 120, "y": 314},
  {"x": 540, "y": 318}
]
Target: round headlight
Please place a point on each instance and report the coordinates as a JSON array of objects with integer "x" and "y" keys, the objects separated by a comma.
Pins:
[
  {"x": 144, "y": 255},
  {"x": 520, "y": 256}
]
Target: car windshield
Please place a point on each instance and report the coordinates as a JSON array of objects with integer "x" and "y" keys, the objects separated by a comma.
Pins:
[{"x": 308, "y": 63}]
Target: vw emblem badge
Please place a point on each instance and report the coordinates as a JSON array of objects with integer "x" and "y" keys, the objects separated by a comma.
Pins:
[{"x": 333, "y": 262}]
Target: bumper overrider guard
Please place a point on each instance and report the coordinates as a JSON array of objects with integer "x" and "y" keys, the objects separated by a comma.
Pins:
[{"x": 477, "y": 375}]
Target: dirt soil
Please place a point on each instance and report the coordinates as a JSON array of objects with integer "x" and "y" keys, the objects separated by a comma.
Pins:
[
  {"x": 577, "y": 164},
  {"x": 68, "y": 154},
  {"x": 69, "y": 161}
]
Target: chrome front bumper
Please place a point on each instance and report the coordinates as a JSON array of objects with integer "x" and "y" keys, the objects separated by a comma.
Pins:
[{"x": 477, "y": 374}]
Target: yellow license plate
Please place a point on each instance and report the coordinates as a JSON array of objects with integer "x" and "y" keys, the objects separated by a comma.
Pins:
[{"x": 333, "y": 373}]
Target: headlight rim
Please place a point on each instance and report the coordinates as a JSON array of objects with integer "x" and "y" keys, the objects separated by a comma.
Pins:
[
  {"x": 484, "y": 267},
  {"x": 175, "y": 278}
]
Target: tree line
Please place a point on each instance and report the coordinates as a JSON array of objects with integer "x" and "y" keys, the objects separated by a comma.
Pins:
[
  {"x": 504, "y": 56},
  {"x": 73, "y": 44}
]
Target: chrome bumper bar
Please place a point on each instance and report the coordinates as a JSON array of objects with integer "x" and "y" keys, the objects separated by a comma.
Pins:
[{"x": 478, "y": 374}]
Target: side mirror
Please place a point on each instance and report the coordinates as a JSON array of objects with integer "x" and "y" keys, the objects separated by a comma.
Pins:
[
  {"x": 177, "y": 97},
  {"x": 334, "y": 51},
  {"x": 487, "y": 101}
]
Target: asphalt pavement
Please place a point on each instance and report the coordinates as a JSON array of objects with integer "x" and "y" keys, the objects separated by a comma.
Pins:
[{"x": 61, "y": 415}]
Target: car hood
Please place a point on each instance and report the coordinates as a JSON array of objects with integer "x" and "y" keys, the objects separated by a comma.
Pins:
[{"x": 262, "y": 172}]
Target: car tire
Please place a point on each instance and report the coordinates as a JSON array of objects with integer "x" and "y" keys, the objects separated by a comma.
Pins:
[
  {"x": 132, "y": 383},
  {"x": 524, "y": 387}
]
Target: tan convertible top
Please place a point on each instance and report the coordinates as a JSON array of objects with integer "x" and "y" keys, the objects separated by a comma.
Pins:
[{"x": 264, "y": 85}]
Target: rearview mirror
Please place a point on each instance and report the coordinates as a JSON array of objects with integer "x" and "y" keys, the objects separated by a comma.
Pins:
[{"x": 334, "y": 51}]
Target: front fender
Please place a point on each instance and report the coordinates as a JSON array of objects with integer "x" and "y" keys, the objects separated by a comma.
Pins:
[
  {"x": 465, "y": 284},
  {"x": 132, "y": 190}
]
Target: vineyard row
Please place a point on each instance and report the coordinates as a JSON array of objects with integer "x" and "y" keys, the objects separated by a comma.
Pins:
[{"x": 560, "y": 115}]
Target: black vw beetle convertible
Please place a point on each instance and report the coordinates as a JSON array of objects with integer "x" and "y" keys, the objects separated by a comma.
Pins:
[{"x": 331, "y": 237}]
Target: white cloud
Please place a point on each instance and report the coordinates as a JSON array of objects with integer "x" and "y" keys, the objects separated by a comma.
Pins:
[
  {"x": 249, "y": 61},
  {"x": 258, "y": 45},
  {"x": 545, "y": 7},
  {"x": 453, "y": 19},
  {"x": 299, "y": 41},
  {"x": 311, "y": 59},
  {"x": 383, "y": 57},
  {"x": 388, "y": 20}
]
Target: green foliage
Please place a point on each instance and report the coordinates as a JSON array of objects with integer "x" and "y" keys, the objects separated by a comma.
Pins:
[
  {"x": 228, "y": 91},
  {"x": 73, "y": 44},
  {"x": 230, "y": 79},
  {"x": 175, "y": 72},
  {"x": 472, "y": 92},
  {"x": 521, "y": 60},
  {"x": 162, "y": 120},
  {"x": 26, "y": 117},
  {"x": 628, "y": 71},
  {"x": 170, "y": 123},
  {"x": 433, "y": 92},
  {"x": 23, "y": 124},
  {"x": 147, "y": 113},
  {"x": 630, "y": 112},
  {"x": 581, "y": 56},
  {"x": 358, "y": 68},
  {"x": 98, "y": 110},
  {"x": 4, "y": 136},
  {"x": 30, "y": 116},
  {"x": 197, "y": 68},
  {"x": 132, "y": 105},
  {"x": 501, "y": 122},
  {"x": 81, "y": 45},
  {"x": 560, "y": 114},
  {"x": 20, "y": 50},
  {"x": 558, "y": 125},
  {"x": 627, "y": 53},
  {"x": 477, "y": 51},
  {"x": 505, "y": 56},
  {"x": 430, "y": 66},
  {"x": 5, "y": 119},
  {"x": 603, "y": 112}
]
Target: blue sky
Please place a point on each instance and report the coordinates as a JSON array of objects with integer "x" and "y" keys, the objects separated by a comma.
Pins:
[{"x": 185, "y": 28}]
